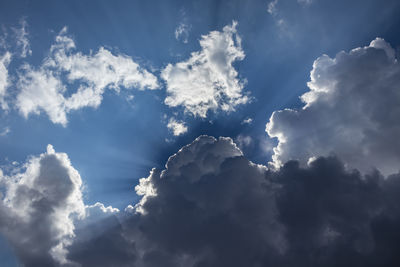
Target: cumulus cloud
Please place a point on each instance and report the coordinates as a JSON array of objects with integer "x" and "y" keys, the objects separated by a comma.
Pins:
[
  {"x": 38, "y": 206},
  {"x": 177, "y": 127},
  {"x": 211, "y": 206},
  {"x": 351, "y": 109},
  {"x": 48, "y": 87},
  {"x": 207, "y": 80},
  {"x": 4, "y": 79}
]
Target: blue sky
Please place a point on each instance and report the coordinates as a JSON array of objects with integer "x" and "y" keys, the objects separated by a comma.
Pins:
[
  {"x": 126, "y": 135},
  {"x": 121, "y": 141}
]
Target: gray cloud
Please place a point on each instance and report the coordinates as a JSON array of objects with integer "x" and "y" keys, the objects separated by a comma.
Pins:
[
  {"x": 210, "y": 206},
  {"x": 38, "y": 207},
  {"x": 352, "y": 110}
]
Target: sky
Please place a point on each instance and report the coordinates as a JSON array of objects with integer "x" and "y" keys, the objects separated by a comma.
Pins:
[{"x": 199, "y": 133}]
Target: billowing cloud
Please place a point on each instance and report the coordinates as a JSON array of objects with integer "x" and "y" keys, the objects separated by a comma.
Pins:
[
  {"x": 211, "y": 206},
  {"x": 351, "y": 109},
  {"x": 208, "y": 80},
  {"x": 38, "y": 206},
  {"x": 177, "y": 127},
  {"x": 4, "y": 79},
  {"x": 44, "y": 88}
]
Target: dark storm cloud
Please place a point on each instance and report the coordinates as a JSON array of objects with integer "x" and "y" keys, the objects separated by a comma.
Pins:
[
  {"x": 213, "y": 207},
  {"x": 210, "y": 206}
]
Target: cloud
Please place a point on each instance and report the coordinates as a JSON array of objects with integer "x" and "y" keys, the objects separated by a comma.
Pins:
[
  {"x": 6, "y": 130},
  {"x": 305, "y": 2},
  {"x": 182, "y": 32},
  {"x": 177, "y": 127},
  {"x": 208, "y": 80},
  {"x": 243, "y": 141},
  {"x": 351, "y": 110},
  {"x": 4, "y": 79},
  {"x": 22, "y": 40},
  {"x": 211, "y": 206},
  {"x": 46, "y": 88},
  {"x": 247, "y": 121},
  {"x": 272, "y": 9},
  {"x": 38, "y": 206}
]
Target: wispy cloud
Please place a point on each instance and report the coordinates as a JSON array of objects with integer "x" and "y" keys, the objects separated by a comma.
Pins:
[{"x": 22, "y": 35}]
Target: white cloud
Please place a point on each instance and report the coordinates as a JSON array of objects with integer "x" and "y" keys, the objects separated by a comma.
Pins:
[
  {"x": 272, "y": 9},
  {"x": 177, "y": 127},
  {"x": 352, "y": 110},
  {"x": 4, "y": 79},
  {"x": 305, "y": 2},
  {"x": 182, "y": 32},
  {"x": 247, "y": 121},
  {"x": 40, "y": 201},
  {"x": 21, "y": 35},
  {"x": 208, "y": 80},
  {"x": 5, "y": 131},
  {"x": 43, "y": 89}
]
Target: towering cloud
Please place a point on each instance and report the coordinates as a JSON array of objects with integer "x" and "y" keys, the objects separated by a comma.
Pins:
[
  {"x": 44, "y": 88},
  {"x": 351, "y": 110},
  {"x": 38, "y": 207},
  {"x": 208, "y": 80},
  {"x": 211, "y": 206}
]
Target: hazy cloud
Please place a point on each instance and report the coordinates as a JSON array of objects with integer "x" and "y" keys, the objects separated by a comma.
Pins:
[
  {"x": 182, "y": 32},
  {"x": 4, "y": 79},
  {"x": 21, "y": 35}
]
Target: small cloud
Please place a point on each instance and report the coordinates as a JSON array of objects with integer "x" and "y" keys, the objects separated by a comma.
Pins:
[
  {"x": 5, "y": 131},
  {"x": 305, "y": 2},
  {"x": 272, "y": 7},
  {"x": 247, "y": 121},
  {"x": 182, "y": 32},
  {"x": 243, "y": 141},
  {"x": 21, "y": 35},
  {"x": 177, "y": 127}
]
